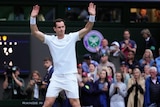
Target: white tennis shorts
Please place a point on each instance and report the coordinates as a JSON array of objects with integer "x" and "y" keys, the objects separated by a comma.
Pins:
[{"x": 66, "y": 82}]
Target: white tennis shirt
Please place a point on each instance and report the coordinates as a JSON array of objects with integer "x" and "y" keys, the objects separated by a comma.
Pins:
[{"x": 63, "y": 52}]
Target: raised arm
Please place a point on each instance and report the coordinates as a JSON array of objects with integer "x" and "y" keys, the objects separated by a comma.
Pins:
[
  {"x": 33, "y": 26},
  {"x": 90, "y": 23}
]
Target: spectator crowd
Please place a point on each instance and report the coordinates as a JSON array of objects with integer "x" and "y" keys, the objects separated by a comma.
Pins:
[{"x": 113, "y": 78}]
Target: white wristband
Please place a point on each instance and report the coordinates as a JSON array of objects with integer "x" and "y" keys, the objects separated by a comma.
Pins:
[
  {"x": 32, "y": 20},
  {"x": 92, "y": 18}
]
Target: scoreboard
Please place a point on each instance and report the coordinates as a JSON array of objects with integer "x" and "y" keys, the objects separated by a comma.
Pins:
[{"x": 15, "y": 51}]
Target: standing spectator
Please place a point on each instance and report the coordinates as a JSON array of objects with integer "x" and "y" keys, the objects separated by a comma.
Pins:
[
  {"x": 80, "y": 71},
  {"x": 103, "y": 87},
  {"x": 127, "y": 44},
  {"x": 157, "y": 61},
  {"x": 104, "y": 48},
  {"x": 118, "y": 91},
  {"x": 116, "y": 56},
  {"x": 105, "y": 63},
  {"x": 146, "y": 73},
  {"x": 125, "y": 72},
  {"x": 147, "y": 59},
  {"x": 87, "y": 61},
  {"x": 150, "y": 42},
  {"x": 136, "y": 89},
  {"x": 152, "y": 93},
  {"x": 34, "y": 88},
  {"x": 88, "y": 98},
  {"x": 13, "y": 85},
  {"x": 92, "y": 75},
  {"x": 131, "y": 61},
  {"x": 110, "y": 74},
  {"x": 48, "y": 65}
]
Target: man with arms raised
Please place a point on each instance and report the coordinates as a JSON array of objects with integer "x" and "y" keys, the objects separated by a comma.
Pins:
[{"x": 64, "y": 76}]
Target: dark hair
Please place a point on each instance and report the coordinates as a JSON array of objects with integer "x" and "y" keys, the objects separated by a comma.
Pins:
[
  {"x": 106, "y": 79},
  {"x": 111, "y": 71},
  {"x": 122, "y": 79},
  {"x": 132, "y": 52},
  {"x": 47, "y": 59},
  {"x": 57, "y": 20},
  {"x": 126, "y": 30}
]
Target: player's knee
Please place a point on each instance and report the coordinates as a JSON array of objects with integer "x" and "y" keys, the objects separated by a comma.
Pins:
[
  {"x": 75, "y": 102},
  {"x": 49, "y": 102}
]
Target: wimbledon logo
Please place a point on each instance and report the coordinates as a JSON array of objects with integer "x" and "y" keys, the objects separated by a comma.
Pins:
[{"x": 92, "y": 40}]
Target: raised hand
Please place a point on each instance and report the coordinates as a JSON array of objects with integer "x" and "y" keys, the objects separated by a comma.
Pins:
[
  {"x": 92, "y": 9},
  {"x": 35, "y": 11}
]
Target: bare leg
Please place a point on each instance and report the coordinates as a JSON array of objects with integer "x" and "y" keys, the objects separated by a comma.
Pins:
[
  {"x": 49, "y": 101},
  {"x": 74, "y": 102}
]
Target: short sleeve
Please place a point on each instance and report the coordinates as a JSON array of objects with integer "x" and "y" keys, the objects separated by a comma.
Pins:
[{"x": 47, "y": 38}]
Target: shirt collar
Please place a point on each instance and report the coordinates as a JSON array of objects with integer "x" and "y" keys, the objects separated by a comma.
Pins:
[
  {"x": 147, "y": 39},
  {"x": 49, "y": 68}
]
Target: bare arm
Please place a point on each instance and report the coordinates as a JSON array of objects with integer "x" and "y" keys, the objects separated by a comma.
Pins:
[
  {"x": 19, "y": 83},
  {"x": 5, "y": 83},
  {"x": 89, "y": 25},
  {"x": 34, "y": 29}
]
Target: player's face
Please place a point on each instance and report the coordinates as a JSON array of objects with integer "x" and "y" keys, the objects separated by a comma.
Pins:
[{"x": 60, "y": 28}]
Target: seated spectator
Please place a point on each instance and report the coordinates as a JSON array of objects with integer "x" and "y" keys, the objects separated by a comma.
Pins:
[
  {"x": 34, "y": 88},
  {"x": 116, "y": 56},
  {"x": 103, "y": 87},
  {"x": 88, "y": 60},
  {"x": 118, "y": 91},
  {"x": 147, "y": 59},
  {"x": 13, "y": 85},
  {"x": 136, "y": 89},
  {"x": 50, "y": 15},
  {"x": 157, "y": 61},
  {"x": 40, "y": 16},
  {"x": 157, "y": 15},
  {"x": 152, "y": 93},
  {"x": 17, "y": 14},
  {"x": 142, "y": 16}
]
